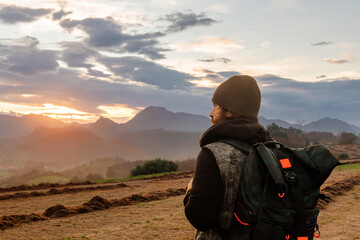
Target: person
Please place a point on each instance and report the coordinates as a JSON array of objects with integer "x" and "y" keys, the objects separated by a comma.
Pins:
[{"x": 211, "y": 194}]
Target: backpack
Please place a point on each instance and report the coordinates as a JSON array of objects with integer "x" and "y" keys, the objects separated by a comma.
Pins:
[{"x": 279, "y": 190}]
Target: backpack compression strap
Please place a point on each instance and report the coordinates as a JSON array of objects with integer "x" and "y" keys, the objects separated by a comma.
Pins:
[{"x": 296, "y": 193}]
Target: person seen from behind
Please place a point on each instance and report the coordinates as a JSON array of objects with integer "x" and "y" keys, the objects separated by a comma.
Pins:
[{"x": 211, "y": 194}]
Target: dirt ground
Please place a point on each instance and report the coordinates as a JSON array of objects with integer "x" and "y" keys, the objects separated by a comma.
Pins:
[
  {"x": 162, "y": 219},
  {"x": 353, "y": 150}
]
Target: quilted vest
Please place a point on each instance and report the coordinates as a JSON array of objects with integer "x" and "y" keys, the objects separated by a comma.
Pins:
[{"x": 230, "y": 161}]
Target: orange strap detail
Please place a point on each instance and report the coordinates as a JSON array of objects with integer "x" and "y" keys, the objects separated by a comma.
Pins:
[
  {"x": 302, "y": 238},
  {"x": 246, "y": 224},
  {"x": 287, "y": 237},
  {"x": 285, "y": 163},
  {"x": 281, "y": 195}
]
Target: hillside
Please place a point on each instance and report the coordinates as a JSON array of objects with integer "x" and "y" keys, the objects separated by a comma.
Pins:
[
  {"x": 165, "y": 144},
  {"x": 334, "y": 126},
  {"x": 64, "y": 149},
  {"x": 13, "y": 127}
]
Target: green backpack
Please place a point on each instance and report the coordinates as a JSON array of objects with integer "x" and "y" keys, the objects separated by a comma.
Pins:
[{"x": 279, "y": 190}]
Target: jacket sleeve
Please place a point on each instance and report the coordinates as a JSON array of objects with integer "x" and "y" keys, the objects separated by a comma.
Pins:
[{"x": 204, "y": 200}]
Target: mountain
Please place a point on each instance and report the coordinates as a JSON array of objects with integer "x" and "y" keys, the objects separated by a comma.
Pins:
[
  {"x": 265, "y": 122},
  {"x": 12, "y": 126},
  {"x": 105, "y": 128},
  {"x": 160, "y": 118},
  {"x": 334, "y": 126},
  {"x": 150, "y": 118},
  {"x": 66, "y": 147}
]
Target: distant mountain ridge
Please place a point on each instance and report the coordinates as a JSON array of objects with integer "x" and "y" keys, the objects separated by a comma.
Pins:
[
  {"x": 335, "y": 126},
  {"x": 153, "y": 118},
  {"x": 12, "y": 127},
  {"x": 153, "y": 132},
  {"x": 160, "y": 118}
]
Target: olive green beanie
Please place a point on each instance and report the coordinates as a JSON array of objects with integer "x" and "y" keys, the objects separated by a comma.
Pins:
[{"x": 240, "y": 95}]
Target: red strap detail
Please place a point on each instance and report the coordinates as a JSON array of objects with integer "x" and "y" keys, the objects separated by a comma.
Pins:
[
  {"x": 285, "y": 163},
  {"x": 317, "y": 236},
  {"x": 281, "y": 195},
  {"x": 287, "y": 237},
  {"x": 302, "y": 238},
  {"x": 246, "y": 224}
]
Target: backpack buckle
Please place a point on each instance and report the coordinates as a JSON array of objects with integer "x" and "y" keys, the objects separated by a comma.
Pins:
[{"x": 290, "y": 176}]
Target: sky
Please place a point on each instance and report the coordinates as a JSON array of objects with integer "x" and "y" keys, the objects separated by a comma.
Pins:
[{"x": 79, "y": 60}]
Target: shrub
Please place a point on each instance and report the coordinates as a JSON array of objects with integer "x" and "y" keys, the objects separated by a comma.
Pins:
[{"x": 154, "y": 166}]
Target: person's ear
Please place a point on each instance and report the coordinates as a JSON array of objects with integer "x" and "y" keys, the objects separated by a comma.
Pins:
[{"x": 229, "y": 114}]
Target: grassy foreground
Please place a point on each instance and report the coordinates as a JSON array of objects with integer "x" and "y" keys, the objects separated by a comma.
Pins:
[{"x": 348, "y": 167}]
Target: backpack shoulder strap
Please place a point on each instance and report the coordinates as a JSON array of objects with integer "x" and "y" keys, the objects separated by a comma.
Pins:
[
  {"x": 272, "y": 164},
  {"x": 266, "y": 155}
]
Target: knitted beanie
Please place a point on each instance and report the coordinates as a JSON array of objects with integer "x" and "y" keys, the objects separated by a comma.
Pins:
[{"x": 240, "y": 95}]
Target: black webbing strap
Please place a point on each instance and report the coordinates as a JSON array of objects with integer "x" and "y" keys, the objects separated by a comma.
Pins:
[
  {"x": 299, "y": 207},
  {"x": 296, "y": 194}
]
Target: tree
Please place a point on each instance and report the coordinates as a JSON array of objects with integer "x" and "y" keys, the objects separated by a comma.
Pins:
[{"x": 347, "y": 138}]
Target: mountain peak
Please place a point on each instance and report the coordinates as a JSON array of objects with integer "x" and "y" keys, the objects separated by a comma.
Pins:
[
  {"x": 102, "y": 120},
  {"x": 161, "y": 118},
  {"x": 154, "y": 109}
]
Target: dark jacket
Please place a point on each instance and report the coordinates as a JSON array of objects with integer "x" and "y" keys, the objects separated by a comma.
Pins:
[{"x": 204, "y": 200}]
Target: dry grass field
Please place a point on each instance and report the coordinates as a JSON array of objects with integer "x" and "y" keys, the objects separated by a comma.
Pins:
[
  {"x": 353, "y": 150},
  {"x": 144, "y": 218}
]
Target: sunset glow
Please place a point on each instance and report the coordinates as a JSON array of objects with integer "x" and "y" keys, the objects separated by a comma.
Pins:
[
  {"x": 82, "y": 60},
  {"x": 65, "y": 114},
  {"x": 119, "y": 113}
]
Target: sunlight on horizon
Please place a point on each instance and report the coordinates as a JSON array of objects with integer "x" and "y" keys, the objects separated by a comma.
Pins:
[
  {"x": 119, "y": 112},
  {"x": 62, "y": 113}
]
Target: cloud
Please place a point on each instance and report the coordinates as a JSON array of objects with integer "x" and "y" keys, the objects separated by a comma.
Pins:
[
  {"x": 15, "y": 14},
  {"x": 321, "y": 76},
  {"x": 213, "y": 59},
  {"x": 212, "y": 79},
  {"x": 218, "y": 45},
  {"x": 67, "y": 88},
  {"x": 265, "y": 44},
  {"x": 107, "y": 33},
  {"x": 60, "y": 14},
  {"x": 322, "y": 43},
  {"x": 337, "y": 61},
  {"x": 28, "y": 58},
  {"x": 293, "y": 100},
  {"x": 182, "y": 21},
  {"x": 227, "y": 74},
  {"x": 143, "y": 71},
  {"x": 75, "y": 54}
]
